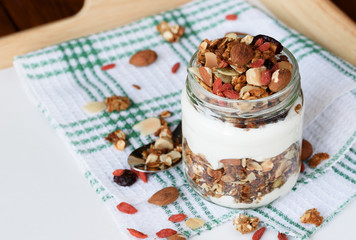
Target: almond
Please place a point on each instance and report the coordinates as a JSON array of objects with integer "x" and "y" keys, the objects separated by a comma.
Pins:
[
  {"x": 210, "y": 60},
  {"x": 164, "y": 197},
  {"x": 177, "y": 237},
  {"x": 280, "y": 80},
  {"x": 307, "y": 149},
  {"x": 94, "y": 107},
  {"x": 206, "y": 75},
  {"x": 241, "y": 54},
  {"x": 148, "y": 126},
  {"x": 143, "y": 58},
  {"x": 194, "y": 223}
]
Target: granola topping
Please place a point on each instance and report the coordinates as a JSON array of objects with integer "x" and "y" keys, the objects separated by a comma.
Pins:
[
  {"x": 170, "y": 33},
  {"x": 118, "y": 139},
  {"x": 312, "y": 216},
  {"x": 245, "y": 224},
  {"x": 117, "y": 103},
  {"x": 255, "y": 59}
]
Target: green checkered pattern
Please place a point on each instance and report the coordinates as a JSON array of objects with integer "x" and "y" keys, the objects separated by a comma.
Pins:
[{"x": 62, "y": 78}]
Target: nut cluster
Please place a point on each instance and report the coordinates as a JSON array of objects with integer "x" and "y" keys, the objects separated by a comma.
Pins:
[
  {"x": 170, "y": 33},
  {"x": 117, "y": 103},
  {"x": 312, "y": 216},
  {"x": 118, "y": 138},
  {"x": 242, "y": 68},
  {"x": 245, "y": 224}
]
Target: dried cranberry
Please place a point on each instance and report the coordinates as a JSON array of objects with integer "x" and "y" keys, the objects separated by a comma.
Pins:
[
  {"x": 268, "y": 39},
  {"x": 126, "y": 179},
  {"x": 268, "y": 64}
]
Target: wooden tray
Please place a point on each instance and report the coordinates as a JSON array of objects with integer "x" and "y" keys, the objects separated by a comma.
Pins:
[{"x": 320, "y": 20}]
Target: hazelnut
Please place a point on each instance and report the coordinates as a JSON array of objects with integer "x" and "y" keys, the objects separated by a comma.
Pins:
[
  {"x": 241, "y": 54},
  {"x": 285, "y": 65},
  {"x": 253, "y": 76},
  {"x": 280, "y": 80}
]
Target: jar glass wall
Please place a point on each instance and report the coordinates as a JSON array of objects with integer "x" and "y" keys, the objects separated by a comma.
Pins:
[{"x": 242, "y": 153}]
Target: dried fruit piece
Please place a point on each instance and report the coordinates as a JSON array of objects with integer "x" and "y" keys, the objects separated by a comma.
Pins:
[
  {"x": 167, "y": 232},
  {"x": 307, "y": 150},
  {"x": 165, "y": 114},
  {"x": 302, "y": 168},
  {"x": 231, "y": 17},
  {"x": 297, "y": 108},
  {"x": 118, "y": 172},
  {"x": 117, "y": 103},
  {"x": 224, "y": 87},
  {"x": 241, "y": 54},
  {"x": 258, "y": 234},
  {"x": 175, "y": 67},
  {"x": 258, "y": 42},
  {"x": 108, "y": 66},
  {"x": 143, "y": 58},
  {"x": 206, "y": 75},
  {"x": 164, "y": 197},
  {"x": 269, "y": 39},
  {"x": 317, "y": 159},
  {"x": 194, "y": 223},
  {"x": 245, "y": 224},
  {"x": 264, "y": 47},
  {"x": 280, "y": 80},
  {"x": 94, "y": 107},
  {"x": 126, "y": 208},
  {"x": 231, "y": 94},
  {"x": 217, "y": 84},
  {"x": 177, "y": 217},
  {"x": 136, "y": 233},
  {"x": 177, "y": 237},
  {"x": 126, "y": 179},
  {"x": 282, "y": 236},
  {"x": 266, "y": 77},
  {"x": 141, "y": 175},
  {"x": 257, "y": 63},
  {"x": 312, "y": 216},
  {"x": 148, "y": 126},
  {"x": 136, "y": 86}
]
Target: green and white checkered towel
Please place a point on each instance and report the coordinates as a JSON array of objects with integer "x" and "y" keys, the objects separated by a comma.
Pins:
[{"x": 62, "y": 78}]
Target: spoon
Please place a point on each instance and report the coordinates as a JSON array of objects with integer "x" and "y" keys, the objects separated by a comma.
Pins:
[{"x": 136, "y": 161}]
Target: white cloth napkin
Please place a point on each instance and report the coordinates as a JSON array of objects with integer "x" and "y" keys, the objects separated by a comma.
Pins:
[{"x": 62, "y": 78}]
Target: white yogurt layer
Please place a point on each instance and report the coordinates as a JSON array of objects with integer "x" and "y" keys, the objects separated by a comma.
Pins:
[
  {"x": 229, "y": 201},
  {"x": 218, "y": 140}
]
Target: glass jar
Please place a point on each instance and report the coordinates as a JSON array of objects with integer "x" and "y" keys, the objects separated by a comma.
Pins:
[{"x": 242, "y": 153}]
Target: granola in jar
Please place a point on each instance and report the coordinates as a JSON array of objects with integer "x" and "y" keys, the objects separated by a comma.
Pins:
[{"x": 241, "y": 132}]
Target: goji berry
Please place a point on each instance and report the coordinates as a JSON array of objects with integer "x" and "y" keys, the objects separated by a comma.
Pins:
[
  {"x": 302, "y": 168},
  {"x": 257, "y": 63},
  {"x": 231, "y": 17},
  {"x": 266, "y": 77},
  {"x": 126, "y": 208},
  {"x": 223, "y": 64},
  {"x": 107, "y": 67},
  {"x": 224, "y": 87},
  {"x": 231, "y": 94},
  {"x": 264, "y": 47},
  {"x": 258, "y": 234},
  {"x": 175, "y": 67},
  {"x": 118, "y": 172},
  {"x": 217, "y": 84},
  {"x": 167, "y": 232},
  {"x": 259, "y": 42},
  {"x": 136, "y": 233},
  {"x": 282, "y": 236},
  {"x": 177, "y": 217},
  {"x": 141, "y": 175}
]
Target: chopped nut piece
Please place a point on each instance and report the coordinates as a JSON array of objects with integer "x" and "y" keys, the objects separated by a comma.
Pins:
[
  {"x": 118, "y": 138},
  {"x": 307, "y": 149},
  {"x": 117, "y": 103},
  {"x": 136, "y": 86},
  {"x": 312, "y": 216},
  {"x": 245, "y": 224},
  {"x": 317, "y": 159},
  {"x": 165, "y": 114},
  {"x": 170, "y": 33},
  {"x": 297, "y": 108},
  {"x": 164, "y": 143}
]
